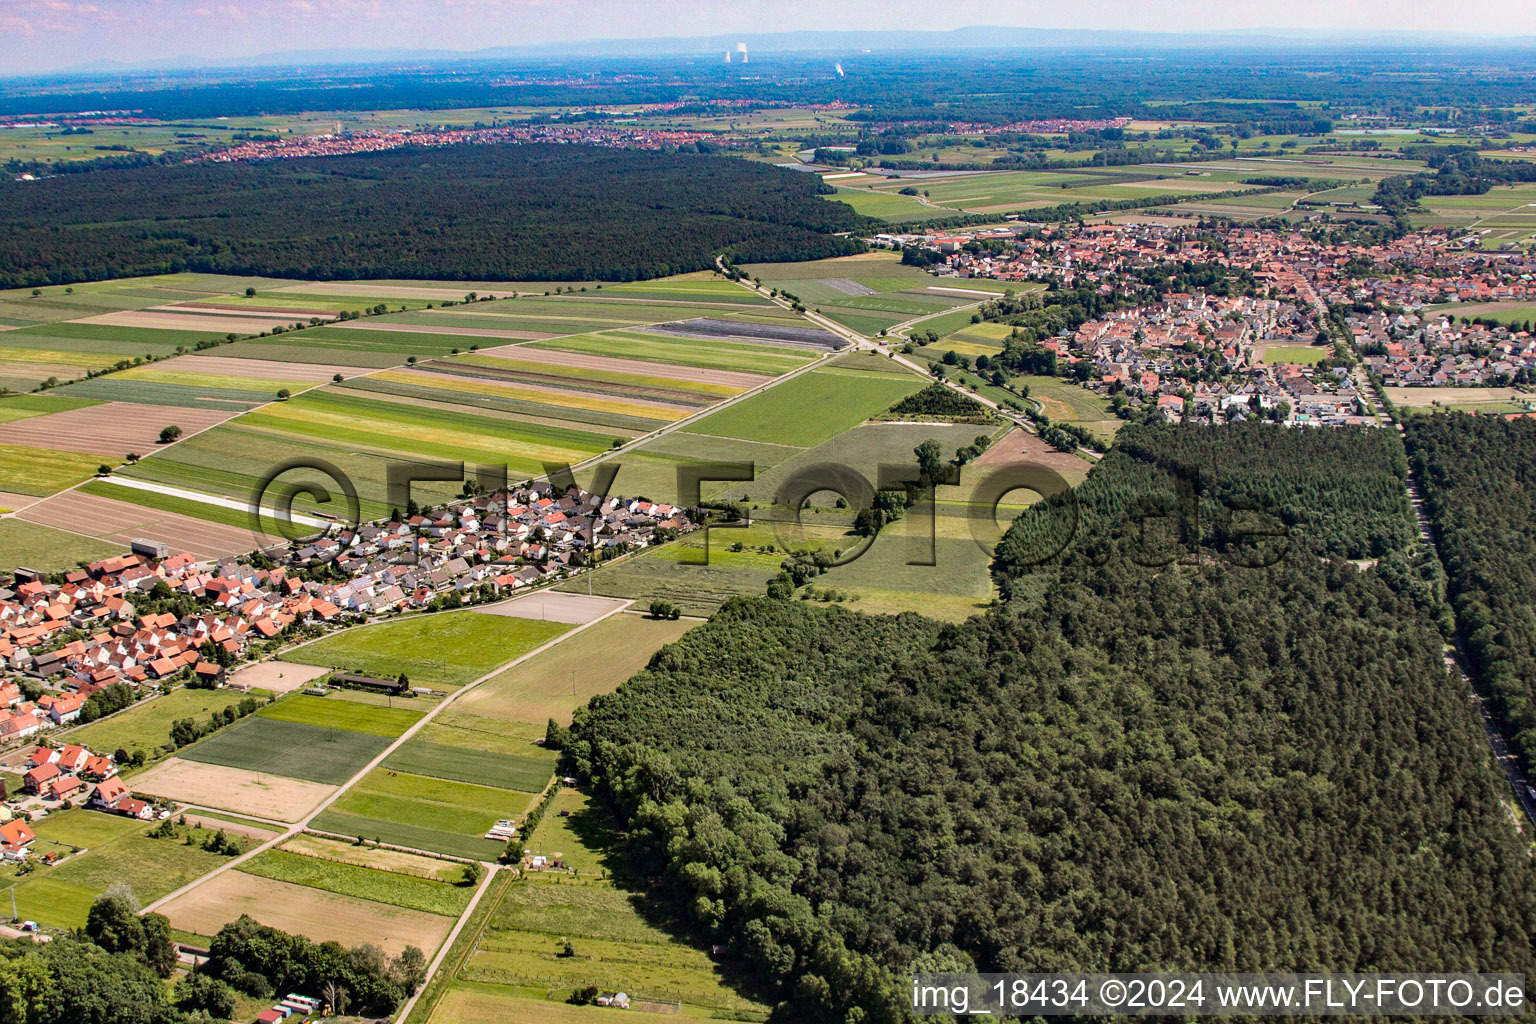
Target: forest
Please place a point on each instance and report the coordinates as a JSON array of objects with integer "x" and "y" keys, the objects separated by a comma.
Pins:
[
  {"x": 1479, "y": 480},
  {"x": 1125, "y": 767},
  {"x": 502, "y": 213},
  {"x": 1244, "y": 494}
]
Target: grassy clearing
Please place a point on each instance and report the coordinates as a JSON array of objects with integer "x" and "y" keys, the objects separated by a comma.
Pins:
[
  {"x": 295, "y": 750},
  {"x": 447, "y": 649},
  {"x": 60, "y": 896},
  {"x": 46, "y": 549},
  {"x": 342, "y": 714},
  {"x": 361, "y": 882},
  {"x": 616, "y": 946}
]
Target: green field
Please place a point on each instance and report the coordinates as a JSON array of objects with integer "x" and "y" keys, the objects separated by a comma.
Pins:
[
  {"x": 1306, "y": 355},
  {"x": 20, "y": 407},
  {"x": 46, "y": 549},
  {"x": 1513, "y": 313},
  {"x": 351, "y": 716},
  {"x": 181, "y": 506},
  {"x": 809, "y": 409},
  {"x": 147, "y": 724},
  {"x": 362, "y": 882},
  {"x": 525, "y": 773},
  {"x": 423, "y": 813},
  {"x": 514, "y": 962},
  {"x": 119, "y": 851},
  {"x": 43, "y": 471},
  {"x": 679, "y": 351},
  {"x": 506, "y": 713},
  {"x": 446, "y": 649},
  {"x": 291, "y": 749}
]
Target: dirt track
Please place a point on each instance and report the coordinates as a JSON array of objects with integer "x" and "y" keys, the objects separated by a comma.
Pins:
[
  {"x": 113, "y": 428},
  {"x": 123, "y": 522},
  {"x": 614, "y": 364}
]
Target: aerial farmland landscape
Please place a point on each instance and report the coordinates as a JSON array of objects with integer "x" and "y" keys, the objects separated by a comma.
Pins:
[{"x": 651, "y": 510}]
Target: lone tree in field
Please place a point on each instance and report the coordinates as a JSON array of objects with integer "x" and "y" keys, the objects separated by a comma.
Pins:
[
  {"x": 250, "y": 293},
  {"x": 283, "y": 394},
  {"x": 169, "y": 434}
]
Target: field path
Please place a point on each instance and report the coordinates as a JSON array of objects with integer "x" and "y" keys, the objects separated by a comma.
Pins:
[{"x": 303, "y": 823}]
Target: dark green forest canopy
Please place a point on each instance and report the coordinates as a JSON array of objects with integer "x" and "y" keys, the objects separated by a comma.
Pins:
[
  {"x": 1327, "y": 492},
  {"x": 1125, "y": 768},
  {"x": 504, "y": 213},
  {"x": 1479, "y": 479}
]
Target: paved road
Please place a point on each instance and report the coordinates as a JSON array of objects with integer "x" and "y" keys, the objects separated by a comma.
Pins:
[{"x": 1456, "y": 661}]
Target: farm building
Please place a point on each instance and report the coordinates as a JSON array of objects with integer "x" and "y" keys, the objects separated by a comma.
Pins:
[{"x": 397, "y": 687}]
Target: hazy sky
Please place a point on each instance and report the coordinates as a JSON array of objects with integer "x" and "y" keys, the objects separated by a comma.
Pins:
[{"x": 42, "y": 35}]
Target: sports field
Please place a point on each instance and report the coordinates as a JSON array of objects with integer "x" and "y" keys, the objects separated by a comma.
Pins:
[{"x": 444, "y": 649}]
